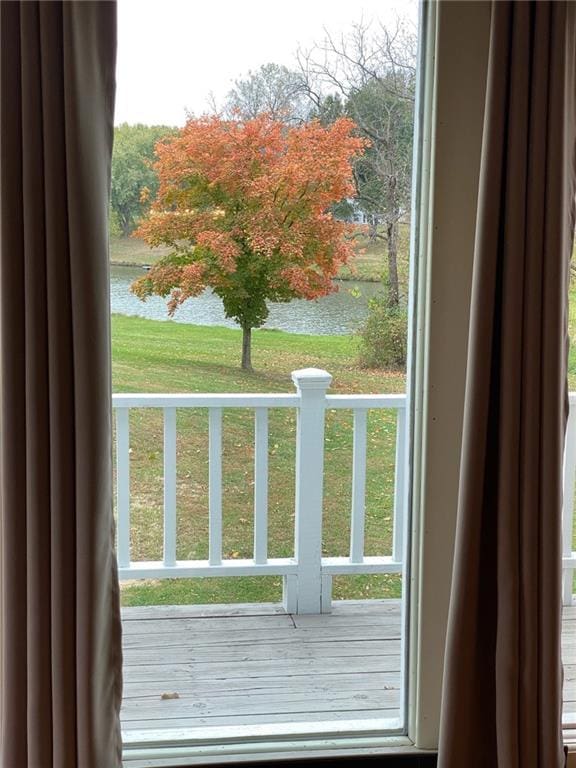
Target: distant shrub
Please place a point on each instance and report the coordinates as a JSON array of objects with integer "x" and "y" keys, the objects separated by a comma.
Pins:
[{"x": 383, "y": 338}]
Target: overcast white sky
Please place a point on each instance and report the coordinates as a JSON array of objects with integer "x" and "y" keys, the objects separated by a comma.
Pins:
[{"x": 173, "y": 53}]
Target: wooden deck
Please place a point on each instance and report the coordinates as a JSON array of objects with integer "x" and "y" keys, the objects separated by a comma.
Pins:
[
  {"x": 219, "y": 666},
  {"x": 187, "y": 667}
]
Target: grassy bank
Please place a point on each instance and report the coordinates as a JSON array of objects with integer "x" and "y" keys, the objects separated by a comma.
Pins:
[
  {"x": 168, "y": 357},
  {"x": 368, "y": 264},
  {"x": 129, "y": 251}
]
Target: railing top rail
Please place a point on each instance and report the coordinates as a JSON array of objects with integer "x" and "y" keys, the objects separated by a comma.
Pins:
[
  {"x": 365, "y": 401},
  {"x": 249, "y": 400},
  {"x": 198, "y": 400}
]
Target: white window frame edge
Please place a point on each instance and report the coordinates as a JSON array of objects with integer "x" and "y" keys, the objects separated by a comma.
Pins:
[
  {"x": 458, "y": 58},
  {"x": 452, "y": 138}
]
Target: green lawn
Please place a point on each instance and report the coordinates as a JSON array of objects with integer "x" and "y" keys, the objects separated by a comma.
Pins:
[{"x": 169, "y": 357}]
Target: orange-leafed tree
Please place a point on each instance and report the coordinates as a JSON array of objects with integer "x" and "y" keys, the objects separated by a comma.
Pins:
[{"x": 245, "y": 208}]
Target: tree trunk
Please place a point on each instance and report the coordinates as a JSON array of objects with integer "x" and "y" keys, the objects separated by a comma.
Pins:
[
  {"x": 124, "y": 222},
  {"x": 372, "y": 229},
  {"x": 247, "y": 349},
  {"x": 392, "y": 242}
]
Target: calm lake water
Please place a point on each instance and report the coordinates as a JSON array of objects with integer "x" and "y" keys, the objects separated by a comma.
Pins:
[{"x": 340, "y": 313}]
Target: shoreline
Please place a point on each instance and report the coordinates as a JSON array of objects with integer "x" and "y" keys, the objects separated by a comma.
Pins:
[{"x": 144, "y": 267}]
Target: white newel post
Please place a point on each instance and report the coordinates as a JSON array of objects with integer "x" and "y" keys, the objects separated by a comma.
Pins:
[{"x": 304, "y": 594}]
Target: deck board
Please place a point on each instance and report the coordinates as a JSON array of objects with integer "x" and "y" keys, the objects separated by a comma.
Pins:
[{"x": 252, "y": 665}]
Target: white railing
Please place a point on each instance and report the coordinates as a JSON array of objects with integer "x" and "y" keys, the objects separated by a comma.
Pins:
[
  {"x": 569, "y": 476},
  {"x": 307, "y": 577}
]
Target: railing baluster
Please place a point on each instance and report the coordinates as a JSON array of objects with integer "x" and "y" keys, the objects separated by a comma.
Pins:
[
  {"x": 399, "y": 489},
  {"x": 261, "y": 485},
  {"x": 123, "y": 485},
  {"x": 169, "y": 486},
  {"x": 568, "y": 504},
  {"x": 215, "y": 486},
  {"x": 358, "y": 486}
]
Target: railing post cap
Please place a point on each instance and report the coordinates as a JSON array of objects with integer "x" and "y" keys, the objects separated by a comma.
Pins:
[{"x": 311, "y": 378}]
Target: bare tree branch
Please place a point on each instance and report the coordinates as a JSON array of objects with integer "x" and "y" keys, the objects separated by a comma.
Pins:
[{"x": 372, "y": 70}]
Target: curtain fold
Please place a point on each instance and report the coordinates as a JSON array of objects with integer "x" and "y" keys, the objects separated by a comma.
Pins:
[
  {"x": 502, "y": 697},
  {"x": 61, "y": 647}
]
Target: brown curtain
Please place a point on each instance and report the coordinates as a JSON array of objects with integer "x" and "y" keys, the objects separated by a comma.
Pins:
[
  {"x": 61, "y": 657},
  {"x": 503, "y": 676}
]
